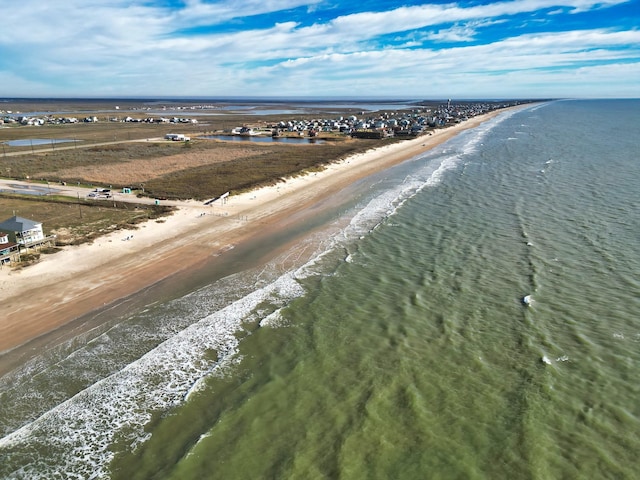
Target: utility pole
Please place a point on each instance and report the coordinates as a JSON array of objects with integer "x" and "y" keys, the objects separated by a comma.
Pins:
[{"x": 79, "y": 206}]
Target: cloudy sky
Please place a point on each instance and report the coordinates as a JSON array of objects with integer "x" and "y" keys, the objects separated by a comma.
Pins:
[{"x": 327, "y": 48}]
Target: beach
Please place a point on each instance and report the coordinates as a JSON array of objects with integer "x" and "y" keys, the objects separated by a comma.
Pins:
[
  {"x": 378, "y": 332},
  {"x": 80, "y": 279}
]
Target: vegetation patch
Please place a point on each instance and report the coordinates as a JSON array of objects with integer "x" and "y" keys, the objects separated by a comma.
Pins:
[
  {"x": 122, "y": 171},
  {"x": 268, "y": 166}
]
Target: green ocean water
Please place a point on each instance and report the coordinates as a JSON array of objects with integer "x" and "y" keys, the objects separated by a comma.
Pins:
[{"x": 392, "y": 343}]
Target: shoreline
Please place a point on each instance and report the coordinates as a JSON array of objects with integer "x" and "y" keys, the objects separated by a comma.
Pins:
[{"x": 82, "y": 279}]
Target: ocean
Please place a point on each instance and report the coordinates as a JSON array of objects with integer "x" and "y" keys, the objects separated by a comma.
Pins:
[{"x": 471, "y": 313}]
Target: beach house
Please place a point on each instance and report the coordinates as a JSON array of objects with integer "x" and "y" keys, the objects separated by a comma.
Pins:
[
  {"x": 26, "y": 233},
  {"x": 9, "y": 251}
]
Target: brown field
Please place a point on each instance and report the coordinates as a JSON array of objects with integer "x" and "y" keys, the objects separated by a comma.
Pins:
[{"x": 121, "y": 165}]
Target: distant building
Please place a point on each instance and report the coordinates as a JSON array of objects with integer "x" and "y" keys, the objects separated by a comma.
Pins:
[{"x": 177, "y": 137}]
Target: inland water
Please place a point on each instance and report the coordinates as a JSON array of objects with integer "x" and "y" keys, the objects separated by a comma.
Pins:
[{"x": 389, "y": 339}]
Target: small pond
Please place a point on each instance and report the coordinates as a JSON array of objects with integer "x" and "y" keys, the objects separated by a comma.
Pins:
[
  {"x": 26, "y": 142},
  {"x": 27, "y": 189}
]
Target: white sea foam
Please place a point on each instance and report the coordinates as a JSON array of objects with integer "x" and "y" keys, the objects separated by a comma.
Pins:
[
  {"x": 275, "y": 319},
  {"x": 538, "y": 107},
  {"x": 84, "y": 427}
]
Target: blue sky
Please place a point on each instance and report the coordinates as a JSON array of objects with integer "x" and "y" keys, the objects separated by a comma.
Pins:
[{"x": 328, "y": 48}]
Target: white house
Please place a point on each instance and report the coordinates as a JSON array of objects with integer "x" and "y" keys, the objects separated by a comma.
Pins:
[
  {"x": 23, "y": 231},
  {"x": 177, "y": 137}
]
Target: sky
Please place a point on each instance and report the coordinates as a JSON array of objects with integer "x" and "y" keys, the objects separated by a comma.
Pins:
[{"x": 324, "y": 48}]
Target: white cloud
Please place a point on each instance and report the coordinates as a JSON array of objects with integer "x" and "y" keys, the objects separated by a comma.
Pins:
[
  {"x": 410, "y": 18},
  {"x": 490, "y": 67},
  {"x": 100, "y": 47},
  {"x": 459, "y": 33},
  {"x": 197, "y": 12}
]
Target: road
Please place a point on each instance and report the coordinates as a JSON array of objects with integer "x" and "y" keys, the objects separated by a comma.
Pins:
[{"x": 42, "y": 189}]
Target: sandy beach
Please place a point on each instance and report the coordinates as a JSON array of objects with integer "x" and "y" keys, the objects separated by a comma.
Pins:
[{"x": 80, "y": 279}]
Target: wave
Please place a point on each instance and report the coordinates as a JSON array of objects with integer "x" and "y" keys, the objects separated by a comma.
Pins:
[{"x": 83, "y": 428}]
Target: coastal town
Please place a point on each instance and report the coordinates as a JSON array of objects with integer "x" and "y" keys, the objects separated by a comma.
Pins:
[
  {"x": 414, "y": 120},
  {"x": 319, "y": 240}
]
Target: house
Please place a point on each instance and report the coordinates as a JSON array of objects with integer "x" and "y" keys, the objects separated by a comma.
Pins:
[
  {"x": 177, "y": 137},
  {"x": 9, "y": 251},
  {"x": 26, "y": 233}
]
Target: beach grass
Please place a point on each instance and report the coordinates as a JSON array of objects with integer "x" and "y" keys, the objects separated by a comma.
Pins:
[{"x": 263, "y": 165}]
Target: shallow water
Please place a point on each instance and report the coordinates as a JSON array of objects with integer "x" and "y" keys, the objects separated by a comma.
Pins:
[
  {"x": 25, "y": 142},
  {"x": 392, "y": 343}
]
